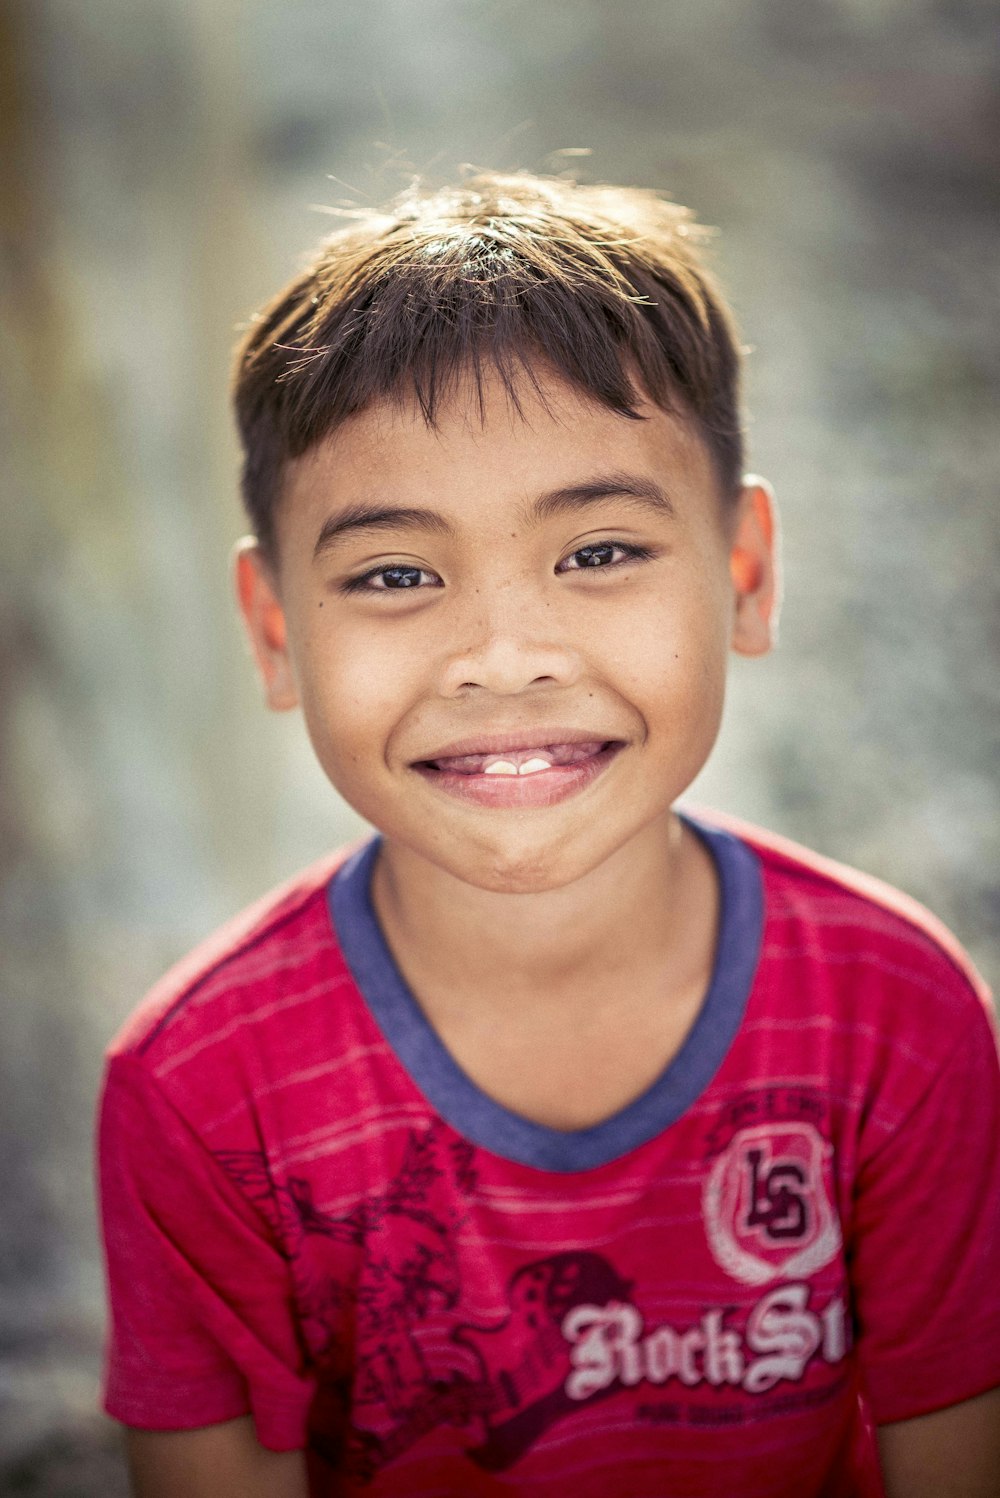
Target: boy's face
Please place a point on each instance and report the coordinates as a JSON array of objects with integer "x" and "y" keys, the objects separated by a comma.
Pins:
[{"x": 509, "y": 635}]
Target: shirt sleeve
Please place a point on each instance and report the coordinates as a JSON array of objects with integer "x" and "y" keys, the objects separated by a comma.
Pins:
[
  {"x": 925, "y": 1263},
  {"x": 201, "y": 1328}
]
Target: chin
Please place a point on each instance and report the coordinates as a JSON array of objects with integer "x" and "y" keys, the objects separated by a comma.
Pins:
[{"x": 524, "y": 870}]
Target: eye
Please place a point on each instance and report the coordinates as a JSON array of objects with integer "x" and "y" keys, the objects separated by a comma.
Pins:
[
  {"x": 603, "y": 554},
  {"x": 392, "y": 579}
]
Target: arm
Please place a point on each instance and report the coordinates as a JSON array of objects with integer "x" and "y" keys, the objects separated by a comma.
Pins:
[
  {"x": 218, "y": 1461},
  {"x": 925, "y": 1270},
  {"x": 202, "y": 1307},
  {"x": 952, "y": 1453}
]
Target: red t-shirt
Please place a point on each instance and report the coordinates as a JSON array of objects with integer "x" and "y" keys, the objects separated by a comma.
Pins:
[{"x": 313, "y": 1216}]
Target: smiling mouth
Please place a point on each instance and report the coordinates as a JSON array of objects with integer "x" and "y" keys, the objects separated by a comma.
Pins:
[
  {"x": 518, "y": 777},
  {"x": 533, "y": 759}
]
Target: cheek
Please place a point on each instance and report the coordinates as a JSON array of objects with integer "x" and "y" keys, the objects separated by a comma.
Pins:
[
  {"x": 681, "y": 692},
  {"x": 342, "y": 698},
  {"x": 353, "y": 693},
  {"x": 675, "y": 656}
]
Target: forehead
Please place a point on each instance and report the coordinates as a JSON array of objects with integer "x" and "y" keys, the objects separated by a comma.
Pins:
[{"x": 488, "y": 439}]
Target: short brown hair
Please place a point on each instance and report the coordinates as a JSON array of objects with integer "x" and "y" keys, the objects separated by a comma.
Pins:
[{"x": 598, "y": 284}]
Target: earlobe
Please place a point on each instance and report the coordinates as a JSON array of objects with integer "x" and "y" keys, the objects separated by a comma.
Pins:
[
  {"x": 264, "y": 617},
  {"x": 754, "y": 569}
]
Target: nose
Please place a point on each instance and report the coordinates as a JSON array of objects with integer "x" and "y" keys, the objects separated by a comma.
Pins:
[{"x": 505, "y": 641}]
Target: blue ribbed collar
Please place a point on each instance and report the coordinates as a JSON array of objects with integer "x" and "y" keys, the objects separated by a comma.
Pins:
[{"x": 490, "y": 1125}]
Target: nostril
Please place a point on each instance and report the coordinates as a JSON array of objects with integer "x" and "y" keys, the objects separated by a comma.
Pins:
[{"x": 502, "y": 664}]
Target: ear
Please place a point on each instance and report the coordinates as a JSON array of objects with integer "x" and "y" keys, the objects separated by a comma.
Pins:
[
  {"x": 264, "y": 617},
  {"x": 754, "y": 568}
]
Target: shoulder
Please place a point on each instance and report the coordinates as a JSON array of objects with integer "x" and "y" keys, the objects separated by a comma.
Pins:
[
  {"x": 859, "y": 934},
  {"x": 274, "y": 948}
]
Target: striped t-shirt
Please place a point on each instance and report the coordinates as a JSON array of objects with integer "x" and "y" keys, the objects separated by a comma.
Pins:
[{"x": 312, "y": 1215}]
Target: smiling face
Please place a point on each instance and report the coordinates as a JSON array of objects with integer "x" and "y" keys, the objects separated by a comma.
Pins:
[{"x": 508, "y": 634}]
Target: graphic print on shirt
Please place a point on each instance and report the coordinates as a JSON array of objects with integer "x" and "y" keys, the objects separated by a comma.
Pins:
[
  {"x": 398, "y": 1356},
  {"x": 427, "y": 1275},
  {"x": 290, "y": 1208},
  {"x": 502, "y": 1384},
  {"x": 767, "y": 1209}
]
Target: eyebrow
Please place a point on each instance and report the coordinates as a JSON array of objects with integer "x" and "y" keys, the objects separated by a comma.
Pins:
[
  {"x": 369, "y": 517},
  {"x": 375, "y": 517},
  {"x": 646, "y": 491}
]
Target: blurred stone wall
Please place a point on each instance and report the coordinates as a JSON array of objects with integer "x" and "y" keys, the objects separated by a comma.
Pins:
[{"x": 162, "y": 163}]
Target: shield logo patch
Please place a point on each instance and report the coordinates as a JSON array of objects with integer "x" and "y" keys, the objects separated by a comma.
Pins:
[{"x": 768, "y": 1213}]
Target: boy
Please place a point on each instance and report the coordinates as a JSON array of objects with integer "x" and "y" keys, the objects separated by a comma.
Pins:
[{"x": 553, "y": 1141}]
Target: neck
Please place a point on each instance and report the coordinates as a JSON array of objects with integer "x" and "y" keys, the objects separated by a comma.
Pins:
[{"x": 650, "y": 907}]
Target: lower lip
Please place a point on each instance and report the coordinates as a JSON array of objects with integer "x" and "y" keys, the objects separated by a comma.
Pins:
[{"x": 543, "y": 788}]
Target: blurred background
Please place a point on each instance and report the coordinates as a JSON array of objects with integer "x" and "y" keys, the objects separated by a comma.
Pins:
[{"x": 164, "y": 167}]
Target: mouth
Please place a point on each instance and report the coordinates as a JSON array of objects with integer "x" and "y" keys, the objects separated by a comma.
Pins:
[
  {"x": 504, "y": 772},
  {"x": 529, "y": 759}
]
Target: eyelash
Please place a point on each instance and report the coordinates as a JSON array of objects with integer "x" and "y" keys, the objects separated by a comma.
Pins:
[
  {"x": 364, "y": 583},
  {"x": 630, "y": 553}
]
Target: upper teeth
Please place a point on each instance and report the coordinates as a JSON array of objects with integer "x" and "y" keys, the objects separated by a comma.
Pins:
[{"x": 507, "y": 767}]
